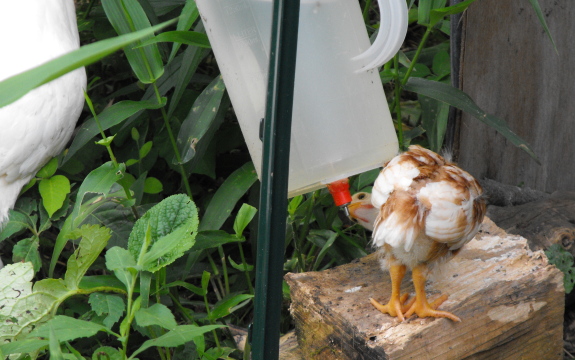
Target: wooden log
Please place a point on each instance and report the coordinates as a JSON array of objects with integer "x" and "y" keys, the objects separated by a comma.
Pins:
[
  {"x": 543, "y": 223},
  {"x": 510, "y": 300}
]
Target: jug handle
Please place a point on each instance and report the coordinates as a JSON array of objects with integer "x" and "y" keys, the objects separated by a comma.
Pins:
[{"x": 392, "y": 31}]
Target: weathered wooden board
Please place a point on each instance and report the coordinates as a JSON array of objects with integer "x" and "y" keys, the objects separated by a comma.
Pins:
[
  {"x": 510, "y": 68},
  {"x": 510, "y": 300}
]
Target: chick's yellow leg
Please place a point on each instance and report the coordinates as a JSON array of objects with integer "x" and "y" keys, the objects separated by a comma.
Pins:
[
  {"x": 421, "y": 306},
  {"x": 395, "y": 305}
]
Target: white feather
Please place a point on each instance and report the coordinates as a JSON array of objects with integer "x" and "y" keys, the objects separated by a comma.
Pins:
[{"x": 36, "y": 127}]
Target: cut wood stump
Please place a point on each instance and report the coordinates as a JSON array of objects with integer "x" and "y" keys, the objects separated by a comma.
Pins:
[{"x": 510, "y": 300}]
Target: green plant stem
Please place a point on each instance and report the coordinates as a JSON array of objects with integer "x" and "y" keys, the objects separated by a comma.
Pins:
[
  {"x": 216, "y": 272},
  {"x": 416, "y": 56},
  {"x": 397, "y": 103},
  {"x": 125, "y": 331},
  {"x": 174, "y": 142},
  {"x": 224, "y": 270},
  {"x": 208, "y": 311},
  {"x": 248, "y": 277},
  {"x": 366, "y": 11}
]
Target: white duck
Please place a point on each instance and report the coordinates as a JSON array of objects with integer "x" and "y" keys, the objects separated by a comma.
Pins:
[{"x": 36, "y": 127}]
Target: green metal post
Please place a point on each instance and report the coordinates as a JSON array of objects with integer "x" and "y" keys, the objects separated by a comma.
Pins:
[{"x": 275, "y": 170}]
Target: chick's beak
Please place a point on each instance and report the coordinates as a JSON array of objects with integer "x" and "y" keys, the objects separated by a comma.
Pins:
[{"x": 355, "y": 208}]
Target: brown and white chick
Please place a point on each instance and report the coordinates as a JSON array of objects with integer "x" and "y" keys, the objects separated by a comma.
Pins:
[{"x": 424, "y": 209}]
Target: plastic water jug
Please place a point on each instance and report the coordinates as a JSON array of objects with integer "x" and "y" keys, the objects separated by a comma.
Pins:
[{"x": 341, "y": 123}]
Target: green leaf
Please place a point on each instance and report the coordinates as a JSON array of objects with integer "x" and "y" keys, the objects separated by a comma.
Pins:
[
  {"x": 145, "y": 149},
  {"x": 227, "y": 305},
  {"x": 107, "y": 353},
  {"x": 112, "y": 306},
  {"x": 196, "y": 290},
  {"x": 49, "y": 169},
  {"x": 17, "y": 86},
  {"x": 68, "y": 328},
  {"x": 437, "y": 14},
  {"x": 157, "y": 314},
  {"x": 434, "y": 121},
  {"x": 324, "y": 239},
  {"x": 173, "y": 223},
  {"x": 187, "y": 18},
  {"x": 123, "y": 264},
  {"x": 245, "y": 215},
  {"x": 27, "y": 250},
  {"x": 93, "y": 240},
  {"x": 153, "y": 186},
  {"x": 127, "y": 16},
  {"x": 214, "y": 238},
  {"x": 98, "y": 181},
  {"x": 23, "y": 346},
  {"x": 183, "y": 37},
  {"x": 565, "y": 262},
  {"x": 200, "y": 119},
  {"x": 55, "y": 350},
  {"x": 462, "y": 101},
  {"x": 537, "y": 8},
  {"x": 226, "y": 197},
  {"x": 111, "y": 116},
  {"x": 179, "y": 336},
  {"x": 54, "y": 191},
  {"x": 16, "y": 223},
  {"x": 240, "y": 267}
]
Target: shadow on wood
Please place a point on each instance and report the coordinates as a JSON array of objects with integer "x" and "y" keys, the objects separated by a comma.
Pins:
[{"x": 510, "y": 300}]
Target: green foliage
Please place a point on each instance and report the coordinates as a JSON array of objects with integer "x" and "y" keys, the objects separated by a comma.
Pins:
[
  {"x": 564, "y": 262},
  {"x": 109, "y": 245}
]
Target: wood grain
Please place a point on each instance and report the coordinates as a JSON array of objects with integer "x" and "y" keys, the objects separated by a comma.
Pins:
[
  {"x": 511, "y": 70},
  {"x": 510, "y": 300}
]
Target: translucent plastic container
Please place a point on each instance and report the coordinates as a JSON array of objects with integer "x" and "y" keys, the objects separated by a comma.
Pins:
[{"x": 341, "y": 123}]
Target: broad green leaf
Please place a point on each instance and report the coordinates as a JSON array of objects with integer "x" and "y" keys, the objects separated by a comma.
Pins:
[
  {"x": 22, "y": 346},
  {"x": 49, "y": 169},
  {"x": 176, "y": 219},
  {"x": 112, "y": 306},
  {"x": 183, "y": 37},
  {"x": 111, "y": 116},
  {"x": 227, "y": 305},
  {"x": 110, "y": 281},
  {"x": 200, "y": 119},
  {"x": 54, "y": 191},
  {"x": 537, "y": 8},
  {"x": 27, "y": 250},
  {"x": 68, "y": 328},
  {"x": 176, "y": 337},
  {"x": 245, "y": 215},
  {"x": 93, "y": 240},
  {"x": 16, "y": 223},
  {"x": 213, "y": 238},
  {"x": 157, "y": 314},
  {"x": 462, "y": 101},
  {"x": 226, "y": 197},
  {"x": 166, "y": 249},
  {"x": 17, "y": 86},
  {"x": 127, "y": 16},
  {"x": 15, "y": 283},
  {"x": 123, "y": 264},
  {"x": 153, "y": 186},
  {"x": 98, "y": 181}
]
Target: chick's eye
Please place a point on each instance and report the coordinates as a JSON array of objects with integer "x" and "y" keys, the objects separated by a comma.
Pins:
[{"x": 361, "y": 196}]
